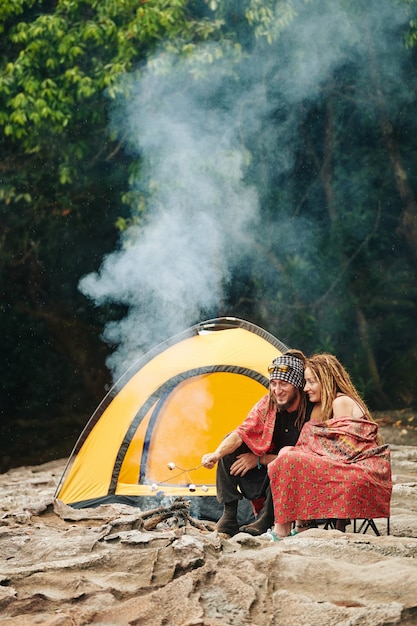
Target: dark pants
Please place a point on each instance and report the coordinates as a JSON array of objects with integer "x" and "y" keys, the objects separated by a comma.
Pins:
[{"x": 252, "y": 485}]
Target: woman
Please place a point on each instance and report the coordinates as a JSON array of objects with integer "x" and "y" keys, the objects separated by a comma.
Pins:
[{"x": 339, "y": 467}]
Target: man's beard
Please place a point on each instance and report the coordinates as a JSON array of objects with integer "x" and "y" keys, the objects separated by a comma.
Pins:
[{"x": 293, "y": 397}]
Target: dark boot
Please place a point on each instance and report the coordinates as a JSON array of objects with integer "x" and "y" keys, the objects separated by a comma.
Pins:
[
  {"x": 228, "y": 522},
  {"x": 264, "y": 521}
]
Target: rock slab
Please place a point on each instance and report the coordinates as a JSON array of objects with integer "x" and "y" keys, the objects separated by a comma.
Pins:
[{"x": 62, "y": 567}]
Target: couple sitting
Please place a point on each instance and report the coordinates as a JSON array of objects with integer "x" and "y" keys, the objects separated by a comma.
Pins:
[{"x": 308, "y": 450}]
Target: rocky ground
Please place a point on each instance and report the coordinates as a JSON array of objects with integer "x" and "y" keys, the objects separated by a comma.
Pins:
[{"x": 117, "y": 566}]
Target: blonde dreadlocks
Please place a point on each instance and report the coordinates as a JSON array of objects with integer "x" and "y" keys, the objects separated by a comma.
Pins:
[{"x": 333, "y": 379}]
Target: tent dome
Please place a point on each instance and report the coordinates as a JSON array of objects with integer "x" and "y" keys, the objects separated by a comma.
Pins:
[{"x": 173, "y": 405}]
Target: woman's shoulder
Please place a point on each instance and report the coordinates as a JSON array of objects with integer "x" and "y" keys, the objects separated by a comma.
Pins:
[{"x": 346, "y": 406}]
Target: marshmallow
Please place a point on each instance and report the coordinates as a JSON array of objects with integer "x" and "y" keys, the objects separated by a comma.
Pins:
[{"x": 171, "y": 465}]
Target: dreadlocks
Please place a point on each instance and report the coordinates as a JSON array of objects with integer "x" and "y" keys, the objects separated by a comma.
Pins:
[{"x": 333, "y": 379}]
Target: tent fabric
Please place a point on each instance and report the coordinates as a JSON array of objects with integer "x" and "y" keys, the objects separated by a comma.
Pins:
[{"x": 174, "y": 404}]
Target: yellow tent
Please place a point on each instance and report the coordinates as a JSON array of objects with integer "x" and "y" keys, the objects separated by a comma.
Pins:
[{"x": 173, "y": 405}]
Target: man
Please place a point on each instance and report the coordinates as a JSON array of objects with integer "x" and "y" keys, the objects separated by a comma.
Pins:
[{"x": 243, "y": 455}]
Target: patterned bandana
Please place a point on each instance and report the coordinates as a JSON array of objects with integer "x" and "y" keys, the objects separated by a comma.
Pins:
[{"x": 287, "y": 368}]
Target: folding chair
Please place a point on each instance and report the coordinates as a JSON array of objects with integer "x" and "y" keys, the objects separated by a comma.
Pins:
[
  {"x": 359, "y": 525},
  {"x": 367, "y": 523}
]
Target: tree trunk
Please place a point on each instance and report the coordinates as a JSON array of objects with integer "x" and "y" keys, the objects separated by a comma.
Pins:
[
  {"x": 408, "y": 222},
  {"x": 326, "y": 174}
]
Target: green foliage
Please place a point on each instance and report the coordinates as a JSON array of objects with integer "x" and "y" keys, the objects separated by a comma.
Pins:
[
  {"x": 270, "y": 19},
  {"x": 57, "y": 64},
  {"x": 64, "y": 177}
]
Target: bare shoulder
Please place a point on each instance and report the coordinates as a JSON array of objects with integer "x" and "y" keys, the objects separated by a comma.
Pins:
[{"x": 344, "y": 406}]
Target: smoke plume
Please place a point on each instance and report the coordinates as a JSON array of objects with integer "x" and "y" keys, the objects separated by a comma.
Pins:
[{"x": 194, "y": 138}]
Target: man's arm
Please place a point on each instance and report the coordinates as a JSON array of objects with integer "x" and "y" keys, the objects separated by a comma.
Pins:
[
  {"x": 249, "y": 460},
  {"x": 227, "y": 446}
]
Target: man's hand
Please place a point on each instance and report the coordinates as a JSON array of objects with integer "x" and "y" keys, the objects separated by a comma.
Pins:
[
  {"x": 244, "y": 463},
  {"x": 209, "y": 460}
]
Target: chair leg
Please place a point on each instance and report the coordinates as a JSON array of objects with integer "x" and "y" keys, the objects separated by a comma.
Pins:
[
  {"x": 329, "y": 523},
  {"x": 361, "y": 527},
  {"x": 367, "y": 523},
  {"x": 371, "y": 524}
]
